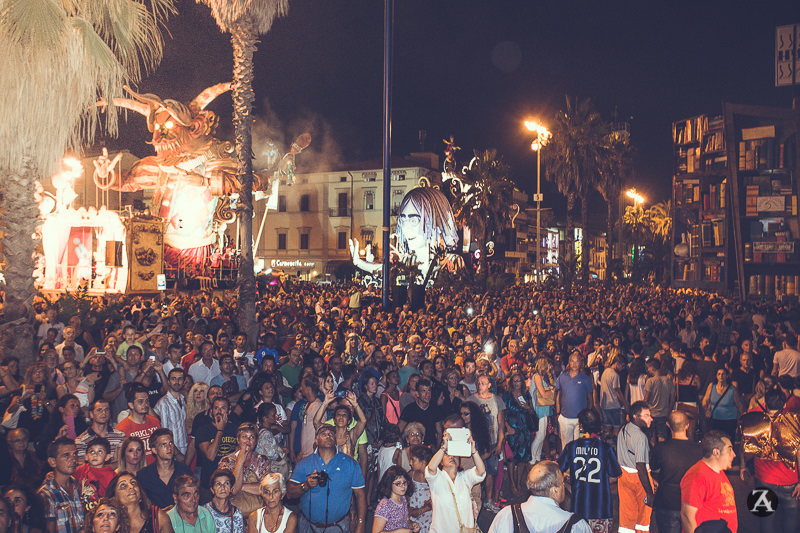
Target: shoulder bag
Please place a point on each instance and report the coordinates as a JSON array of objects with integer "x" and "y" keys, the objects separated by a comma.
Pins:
[
  {"x": 519, "y": 520},
  {"x": 461, "y": 527}
]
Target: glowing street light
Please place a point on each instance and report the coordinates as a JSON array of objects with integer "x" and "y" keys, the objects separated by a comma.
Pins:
[
  {"x": 635, "y": 196},
  {"x": 542, "y": 136}
]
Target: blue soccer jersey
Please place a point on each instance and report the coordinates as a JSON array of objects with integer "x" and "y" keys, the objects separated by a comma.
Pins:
[{"x": 590, "y": 462}]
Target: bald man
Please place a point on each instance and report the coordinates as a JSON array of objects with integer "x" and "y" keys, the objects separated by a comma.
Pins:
[
  {"x": 541, "y": 511},
  {"x": 672, "y": 459}
]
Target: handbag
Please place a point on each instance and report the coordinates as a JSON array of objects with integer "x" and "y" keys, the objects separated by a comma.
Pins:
[
  {"x": 544, "y": 402},
  {"x": 461, "y": 527}
]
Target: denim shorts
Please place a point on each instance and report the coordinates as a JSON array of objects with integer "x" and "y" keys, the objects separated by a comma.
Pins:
[
  {"x": 492, "y": 464},
  {"x": 613, "y": 417}
]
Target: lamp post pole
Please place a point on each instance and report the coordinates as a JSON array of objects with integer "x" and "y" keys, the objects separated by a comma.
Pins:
[
  {"x": 539, "y": 215},
  {"x": 542, "y": 136}
]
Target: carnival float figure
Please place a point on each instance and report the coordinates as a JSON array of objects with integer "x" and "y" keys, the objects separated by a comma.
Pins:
[
  {"x": 425, "y": 237},
  {"x": 193, "y": 174}
]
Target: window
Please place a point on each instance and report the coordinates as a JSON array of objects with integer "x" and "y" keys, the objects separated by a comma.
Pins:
[
  {"x": 281, "y": 204},
  {"x": 342, "y": 240},
  {"x": 342, "y": 204},
  {"x": 281, "y": 241},
  {"x": 366, "y": 236},
  {"x": 305, "y": 201},
  {"x": 304, "y": 241},
  {"x": 370, "y": 176},
  {"x": 369, "y": 200},
  {"x": 342, "y": 179}
]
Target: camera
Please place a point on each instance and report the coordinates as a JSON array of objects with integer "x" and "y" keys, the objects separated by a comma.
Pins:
[{"x": 322, "y": 478}]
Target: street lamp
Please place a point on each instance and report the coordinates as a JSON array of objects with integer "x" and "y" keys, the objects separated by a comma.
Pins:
[
  {"x": 637, "y": 200},
  {"x": 635, "y": 196},
  {"x": 542, "y": 136}
]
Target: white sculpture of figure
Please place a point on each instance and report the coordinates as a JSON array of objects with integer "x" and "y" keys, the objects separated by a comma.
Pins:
[{"x": 425, "y": 224}]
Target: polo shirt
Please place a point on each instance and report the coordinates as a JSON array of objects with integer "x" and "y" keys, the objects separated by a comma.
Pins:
[
  {"x": 344, "y": 475},
  {"x": 573, "y": 393},
  {"x": 160, "y": 494},
  {"x": 632, "y": 447},
  {"x": 204, "y": 524}
]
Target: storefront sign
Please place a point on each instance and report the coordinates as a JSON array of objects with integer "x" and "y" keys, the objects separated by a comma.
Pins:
[{"x": 297, "y": 263}]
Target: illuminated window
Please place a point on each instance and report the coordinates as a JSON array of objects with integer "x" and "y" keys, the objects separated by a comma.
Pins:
[{"x": 369, "y": 200}]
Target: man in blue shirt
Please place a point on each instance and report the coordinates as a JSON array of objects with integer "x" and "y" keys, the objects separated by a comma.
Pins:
[
  {"x": 325, "y": 499},
  {"x": 574, "y": 393}
]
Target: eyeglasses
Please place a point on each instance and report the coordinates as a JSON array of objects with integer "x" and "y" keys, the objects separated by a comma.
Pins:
[
  {"x": 415, "y": 434},
  {"x": 400, "y": 483},
  {"x": 410, "y": 220}
]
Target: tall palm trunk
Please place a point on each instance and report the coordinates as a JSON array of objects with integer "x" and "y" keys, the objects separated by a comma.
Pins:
[
  {"x": 20, "y": 217},
  {"x": 610, "y": 205},
  {"x": 586, "y": 244},
  {"x": 569, "y": 250},
  {"x": 243, "y": 38}
]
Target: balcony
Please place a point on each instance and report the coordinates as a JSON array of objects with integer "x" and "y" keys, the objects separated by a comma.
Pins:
[{"x": 340, "y": 212}]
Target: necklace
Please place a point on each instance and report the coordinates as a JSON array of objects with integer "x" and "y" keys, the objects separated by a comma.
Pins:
[{"x": 277, "y": 519}]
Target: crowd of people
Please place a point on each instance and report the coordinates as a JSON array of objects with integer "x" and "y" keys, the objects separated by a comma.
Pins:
[{"x": 165, "y": 417}]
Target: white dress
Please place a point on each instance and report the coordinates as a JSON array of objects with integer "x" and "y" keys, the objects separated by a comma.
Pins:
[{"x": 422, "y": 493}]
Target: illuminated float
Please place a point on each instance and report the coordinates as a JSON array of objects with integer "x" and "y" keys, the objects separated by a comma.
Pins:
[{"x": 194, "y": 183}]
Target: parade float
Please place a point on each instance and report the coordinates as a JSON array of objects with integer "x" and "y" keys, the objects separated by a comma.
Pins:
[{"x": 192, "y": 183}]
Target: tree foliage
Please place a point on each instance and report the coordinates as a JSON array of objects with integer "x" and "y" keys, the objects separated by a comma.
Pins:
[
  {"x": 483, "y": 200},
  {"x": 59, "y": 58},
  {"x": 574, "y": 159},
  {"x": 245, "y": 20}
]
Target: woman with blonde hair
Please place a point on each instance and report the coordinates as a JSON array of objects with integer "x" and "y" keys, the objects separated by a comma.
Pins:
[
  {"x": 196, "y": 403},
  {"x": 542, "y": 387},
  {"x": 763, "y": 385}
]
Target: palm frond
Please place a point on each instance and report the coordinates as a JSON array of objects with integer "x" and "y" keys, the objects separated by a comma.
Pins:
[{"x": 228, "y": 13}]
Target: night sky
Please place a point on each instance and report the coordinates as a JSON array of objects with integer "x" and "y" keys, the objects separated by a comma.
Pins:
[{"x": 475, "y": 69}]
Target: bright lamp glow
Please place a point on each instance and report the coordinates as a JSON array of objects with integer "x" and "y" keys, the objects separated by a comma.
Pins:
[
  {"x": 635, "y": 196},
  {"x": 542, "y": 134}
]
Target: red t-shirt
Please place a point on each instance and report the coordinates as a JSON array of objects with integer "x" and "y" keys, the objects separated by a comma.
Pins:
[
  {"x": 711, "y": 493},
  {"x": 143, "y": 431},
  {"x": 93, "y": 483},
  {"x": 189, "y": 359}
]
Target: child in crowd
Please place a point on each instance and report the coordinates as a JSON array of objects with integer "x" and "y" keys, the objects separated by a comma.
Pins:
[
  {"x": 94, "y": 476},
  {"x": 420, "y": 500},
  {"x": 389, "y": 454},
  {"x": 392, "y": 513}
]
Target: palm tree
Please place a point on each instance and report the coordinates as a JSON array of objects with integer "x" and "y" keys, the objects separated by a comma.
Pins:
[
  {"x": 58, "y": 58},
  {"x": 661, "y": 230},
  {"x": 617, "y": 164},
  {"x": 245, "y": 20},
  {"x": 573, "y": 160},
  {"x": 484, "y": 202}
]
